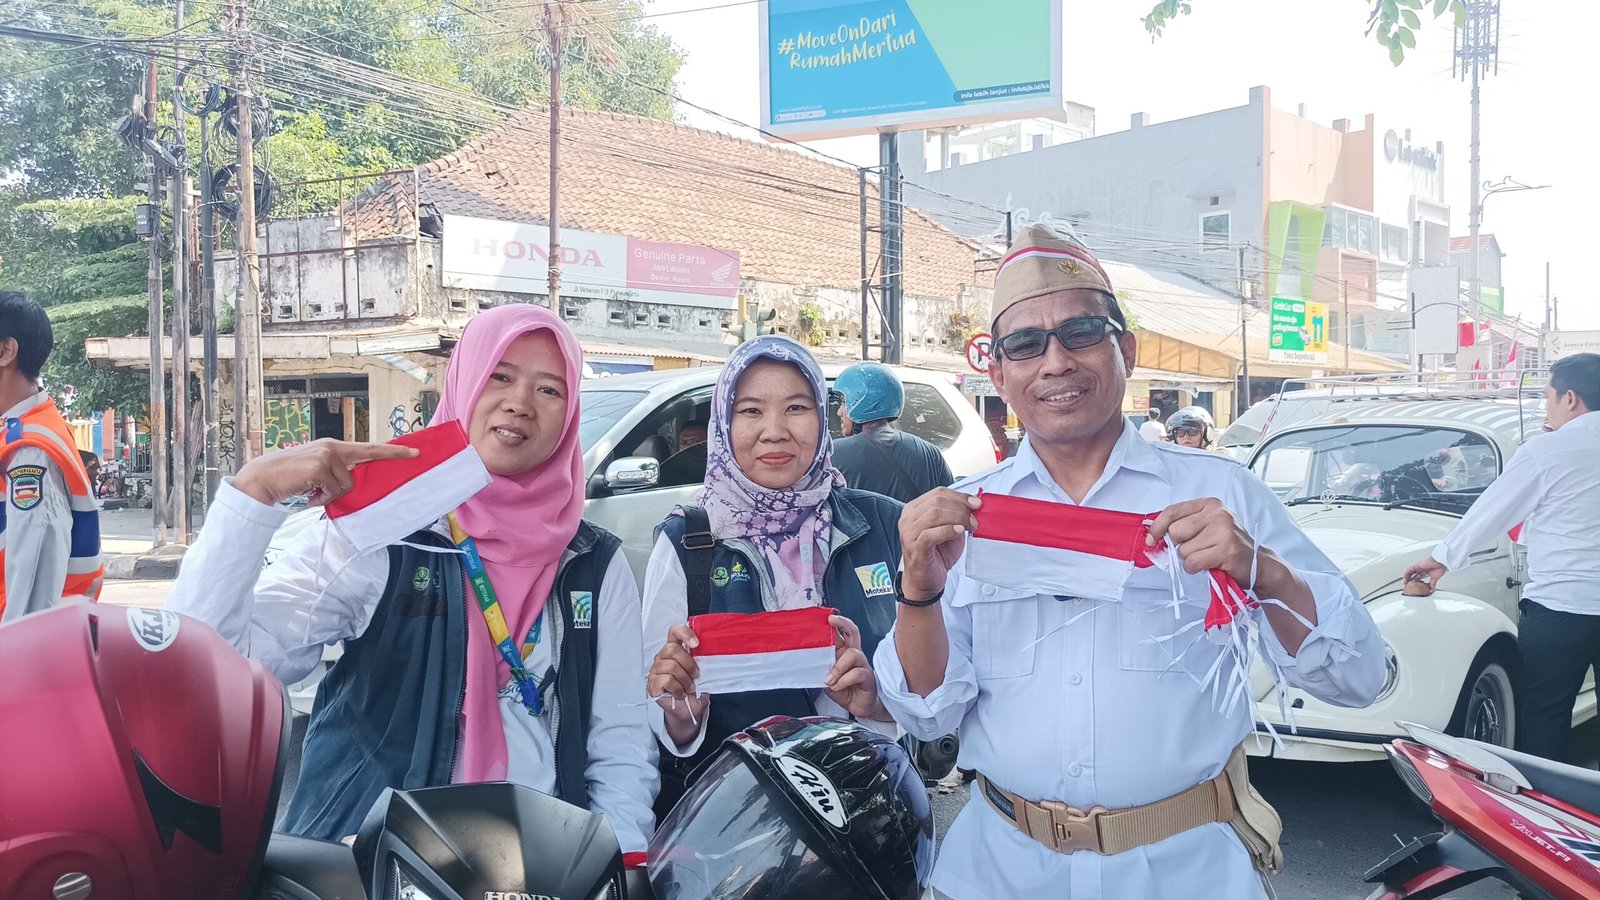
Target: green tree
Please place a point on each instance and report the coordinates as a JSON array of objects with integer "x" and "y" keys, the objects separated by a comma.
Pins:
[
  {"x": 80, "y": 259},
  {"x": 1393, "y": 23}
]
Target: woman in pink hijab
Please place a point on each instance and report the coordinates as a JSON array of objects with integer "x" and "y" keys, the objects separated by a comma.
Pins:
[{"x": 423, "y": 694}]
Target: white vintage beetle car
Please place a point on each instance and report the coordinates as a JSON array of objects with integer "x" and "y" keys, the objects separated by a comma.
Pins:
[{"x": 1376, "y": 483}]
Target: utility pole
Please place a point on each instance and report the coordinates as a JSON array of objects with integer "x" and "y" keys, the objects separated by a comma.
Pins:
[
  {"x": 1544, "y": 333},
  {"x": 155, "y": 321},
  {"x": 1244, "y": 341},
  {"x": 247, "y": 313},
  {"x": 1344, "y": 294},
  {"x": 1477, "y": 53},
  {"x": 180, "y": 298},
  {"x": 556, "y": 42},
  {"x": 208, "y": 307},
  {"x": 890, "y": 217}
]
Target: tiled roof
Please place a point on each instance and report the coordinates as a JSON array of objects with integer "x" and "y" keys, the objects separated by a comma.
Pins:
[
  {"x": 794, "y": 218},
  {"x": 1460, "y": 244}
]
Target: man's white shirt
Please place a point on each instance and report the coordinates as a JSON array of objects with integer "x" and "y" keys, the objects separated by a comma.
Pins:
[
  {"x": 315, "y": 591},
  {"x": 1552, "y": 487},
  {"x": 1065, "y": 699}
]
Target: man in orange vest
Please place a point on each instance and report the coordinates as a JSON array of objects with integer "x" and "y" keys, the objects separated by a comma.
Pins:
[{"x": 49, "y": 524}]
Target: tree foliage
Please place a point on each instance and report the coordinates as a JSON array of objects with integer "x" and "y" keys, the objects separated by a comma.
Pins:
[
  {"x": 66, "y": 214},
  {"x": 1393, "y": 23},
  {"x": 80, "y": 259}
]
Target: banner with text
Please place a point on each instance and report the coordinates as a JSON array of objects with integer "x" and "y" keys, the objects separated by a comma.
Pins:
[
  {"x": 495, "y": 255},
  {"x": 1299, "y": 331}
]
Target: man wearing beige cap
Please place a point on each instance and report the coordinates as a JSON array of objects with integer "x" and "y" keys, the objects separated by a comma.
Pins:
[{"x": 1094, "y": 699}]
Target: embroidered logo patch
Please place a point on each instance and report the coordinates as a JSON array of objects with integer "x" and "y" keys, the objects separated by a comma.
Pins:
[
  {"x": 719, "y": 576},
  {"x": 582, "y": 609},
  {"x": 27, "y": 486},
  {"x": 738, "y": 573},
  {"x": 421, "y": 579},
  {"x": 875, "y": 579}
]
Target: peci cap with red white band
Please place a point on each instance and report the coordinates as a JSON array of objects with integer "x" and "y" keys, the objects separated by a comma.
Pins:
[{"x": 1040, "y": 261}]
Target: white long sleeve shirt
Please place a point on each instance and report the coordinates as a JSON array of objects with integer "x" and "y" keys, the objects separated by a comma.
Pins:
[
  {"x": 37, "y": 532},
  {"x": 1069, "y": 700},
  {"x": 1552, "y": 486},
  {"x": 280, "y": 590}
]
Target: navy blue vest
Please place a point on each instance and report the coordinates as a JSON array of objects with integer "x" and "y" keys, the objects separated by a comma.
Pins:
[
  {"x": 387, "y": 714},
  {"x": 858, "y": 582}
]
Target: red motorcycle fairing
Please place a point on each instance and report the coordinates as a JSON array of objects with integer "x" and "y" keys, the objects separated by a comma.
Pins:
[{"x": 1527, "y": 838}]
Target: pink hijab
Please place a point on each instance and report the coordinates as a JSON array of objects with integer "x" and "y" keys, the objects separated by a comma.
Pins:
[{"x": 521, "y": 523}]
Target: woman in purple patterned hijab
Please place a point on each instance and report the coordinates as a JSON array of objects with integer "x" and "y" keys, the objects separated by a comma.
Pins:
[
  {"x": 768, "y": 464},
  {"x": 784, "y": 533}
]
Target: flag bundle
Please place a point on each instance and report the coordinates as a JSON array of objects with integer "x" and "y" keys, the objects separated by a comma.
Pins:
[{"x": 1057, "y": 548}]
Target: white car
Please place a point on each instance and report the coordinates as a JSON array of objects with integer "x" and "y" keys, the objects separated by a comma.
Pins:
[
  {"x": 1376, "y": 483},
  {"x": 629, "y": 426}
]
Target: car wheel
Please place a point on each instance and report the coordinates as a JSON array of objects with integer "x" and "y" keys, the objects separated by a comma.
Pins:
[{"x": 1487, "y": 709}]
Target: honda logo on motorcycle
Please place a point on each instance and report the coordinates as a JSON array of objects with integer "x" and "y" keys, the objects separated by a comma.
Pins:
[{"x": 517, "y": 895}]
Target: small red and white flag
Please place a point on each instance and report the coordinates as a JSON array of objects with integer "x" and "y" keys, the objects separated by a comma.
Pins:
[
  {"x": 393, "y": 498},
  {"x": 1079, "y": 551},
  {"x": 793, "y": 648}
]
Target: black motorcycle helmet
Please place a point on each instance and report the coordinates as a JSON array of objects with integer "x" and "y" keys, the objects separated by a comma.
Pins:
[{"x": 799, "y": 808}]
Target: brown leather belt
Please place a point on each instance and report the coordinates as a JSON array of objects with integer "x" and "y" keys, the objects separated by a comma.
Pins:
[{"x": 1066, "y": 829}]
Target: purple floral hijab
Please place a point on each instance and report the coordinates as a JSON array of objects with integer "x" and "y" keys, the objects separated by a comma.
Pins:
[{"x": 789, "y": 526}]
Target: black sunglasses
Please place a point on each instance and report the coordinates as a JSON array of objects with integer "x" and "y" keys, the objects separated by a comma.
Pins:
[{"x": 1076, "y": 333}]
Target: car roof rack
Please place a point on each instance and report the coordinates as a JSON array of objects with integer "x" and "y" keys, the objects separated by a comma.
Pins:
[
  {"x": 1477, "y": 385},
  {"x": 1480, "y": 384}
]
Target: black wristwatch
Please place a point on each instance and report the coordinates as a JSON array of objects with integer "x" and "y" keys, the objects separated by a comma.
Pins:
[{"x": 900, "y": 595}]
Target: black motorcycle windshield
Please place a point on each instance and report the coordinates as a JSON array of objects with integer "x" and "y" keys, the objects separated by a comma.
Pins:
[{"x": 730, "y": 839}]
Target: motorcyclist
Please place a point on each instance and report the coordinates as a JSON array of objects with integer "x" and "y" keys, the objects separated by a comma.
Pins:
[
  {"x": 874, "y": 455},
  {"x": 1192, "y": 426}
]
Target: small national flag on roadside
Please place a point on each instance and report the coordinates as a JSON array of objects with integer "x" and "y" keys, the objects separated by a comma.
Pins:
[
  {"x": 793, "y": 648},
  {"x": 394, "y": 498}
]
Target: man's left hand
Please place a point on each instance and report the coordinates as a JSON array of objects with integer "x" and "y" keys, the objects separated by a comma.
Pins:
[
  {"x": 1207, "y": 537},
  {"x": 851, "y": 682}
]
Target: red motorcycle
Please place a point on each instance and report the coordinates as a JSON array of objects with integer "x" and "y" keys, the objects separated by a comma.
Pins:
[{"x": 1528, "y": 822}]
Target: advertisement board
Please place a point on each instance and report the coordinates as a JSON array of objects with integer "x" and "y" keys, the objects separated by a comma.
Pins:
[
  {"x": 496, "y": 255},
  {"x": 1566, "y": 343},
  {"x": 1299, "y": 331},
  {"x": 831, "y": 68}
]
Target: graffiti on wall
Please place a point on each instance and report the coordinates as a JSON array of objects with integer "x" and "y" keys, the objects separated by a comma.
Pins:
[
  {"x": 287, "y": 423},
  {"x": 404, "y": 420}
]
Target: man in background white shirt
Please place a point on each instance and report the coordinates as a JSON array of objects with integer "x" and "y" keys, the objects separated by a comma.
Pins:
[
  {"x": 1152, "y": 429},
  {"x": 1552, "y": 487}
]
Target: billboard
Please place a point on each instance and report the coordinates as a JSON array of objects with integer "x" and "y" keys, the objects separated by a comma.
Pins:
[
  {"x": 831, "y": 68},
  {"x": 495, "y": 255},
  {"x": 1299, "y": 331},
  {"x": 1566, "y": 343}
]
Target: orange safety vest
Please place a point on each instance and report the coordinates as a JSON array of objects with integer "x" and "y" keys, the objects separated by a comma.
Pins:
[{"x": 44, "y": 428}]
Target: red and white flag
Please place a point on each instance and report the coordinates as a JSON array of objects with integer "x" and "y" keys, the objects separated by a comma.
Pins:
[
  {"x": 393, "y": 498},
  {"x": 766, "y": 651},
  {"x": 1079, "y": 551}
]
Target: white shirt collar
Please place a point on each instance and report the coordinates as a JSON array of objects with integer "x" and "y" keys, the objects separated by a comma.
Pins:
[
  {"x": 1132, "y": 452},
  {"x": 15, "y": 412}
]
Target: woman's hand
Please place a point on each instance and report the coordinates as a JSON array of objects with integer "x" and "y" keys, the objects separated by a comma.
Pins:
[
  {"x": 671, "y": 681},
  {"x": 851, "y": 682},
  {"x": 319, "y": 470}
]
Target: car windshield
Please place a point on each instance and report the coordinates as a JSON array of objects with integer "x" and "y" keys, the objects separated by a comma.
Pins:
[
  {"x": 599, "y": 410},
  {"x": 1377, "y": 463}
]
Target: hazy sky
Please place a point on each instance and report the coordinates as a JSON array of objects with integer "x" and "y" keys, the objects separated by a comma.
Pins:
[{"x": 1536, "y": 111}]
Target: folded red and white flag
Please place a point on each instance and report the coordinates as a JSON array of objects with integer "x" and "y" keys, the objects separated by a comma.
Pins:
[
  {"x": 393, "y": 498},
  {"x": 1079, "y": 551},
  {"x": 763, "y": 651}
]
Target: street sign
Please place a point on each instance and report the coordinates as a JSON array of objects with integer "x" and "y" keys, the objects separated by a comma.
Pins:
[
  {"x": 1299, "y": 331},
  {"x": 978, "y": 354},
  {"x": 978, "y": 386}
]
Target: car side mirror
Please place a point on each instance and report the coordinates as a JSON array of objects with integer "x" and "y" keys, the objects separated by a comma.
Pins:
[{"x": 633, "y": 472}]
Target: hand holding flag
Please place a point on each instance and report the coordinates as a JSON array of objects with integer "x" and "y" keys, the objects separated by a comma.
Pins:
[
  {"x": 851, "y": 682},
  {"x": 319, "y": 470},
  {"x": 933, "y": 533}
]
